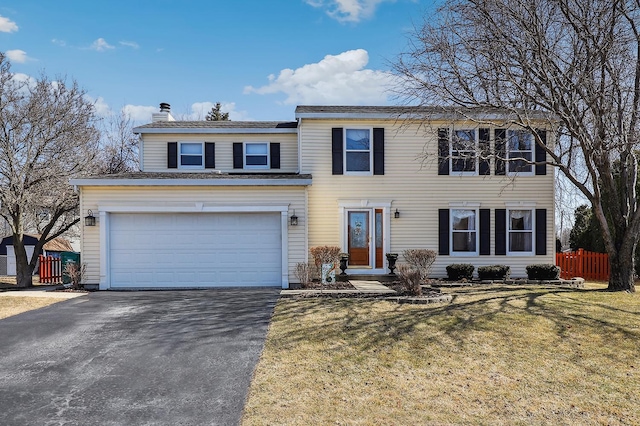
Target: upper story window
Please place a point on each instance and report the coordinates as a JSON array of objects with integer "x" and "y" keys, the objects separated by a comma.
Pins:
[
  {"x": 463, "y": 152},
  {"x": 358, "y": 157},
  {"x": 191, "y": 155},
  {"x": 520, "y": 232},
  {"x": 464, "y": 235},
  {"x": 256, "y": 155},
  {"x": 520, "y": 151}
]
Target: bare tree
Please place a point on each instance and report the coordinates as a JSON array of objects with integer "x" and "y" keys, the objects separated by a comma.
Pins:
[
  {"x": 119, "y": 145},
  {"x": 47, "y": 136},
  {"x": 576, "y": 62}
]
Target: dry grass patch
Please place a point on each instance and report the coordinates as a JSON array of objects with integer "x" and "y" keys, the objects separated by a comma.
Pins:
[
  {"x": 9, "y": 281},
  {"x": 495, "y": 355},
  {"x": 15, "y": 305}
]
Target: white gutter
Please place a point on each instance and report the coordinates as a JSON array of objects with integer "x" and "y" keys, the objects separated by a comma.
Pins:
[{"x": 190, "y": 182}]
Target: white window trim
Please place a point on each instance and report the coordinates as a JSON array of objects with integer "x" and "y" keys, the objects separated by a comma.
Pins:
[
  {"x": 452, "y": 172},
  {"x": 345, "y": 205},
  {"x": 521, "y": 206},
  {"x": 464, "y": 206},
  {"x": 344, "y": 151},
  {"x": 244, "y": 155},
  {"x": 180, "y": 165},
  {"x": 507, "y": 160}
]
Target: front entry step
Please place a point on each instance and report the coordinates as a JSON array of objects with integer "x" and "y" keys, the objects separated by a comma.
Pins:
[{"x": 370, "y": 286}]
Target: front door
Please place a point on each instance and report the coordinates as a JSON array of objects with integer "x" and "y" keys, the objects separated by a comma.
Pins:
[{"x": 359, "y": 238}]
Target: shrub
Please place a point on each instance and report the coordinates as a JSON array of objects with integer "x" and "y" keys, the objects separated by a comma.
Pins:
[
  {"x": 304, "y": 273},
  {"x": 459, "y": 271},
  {"x": 494, "y": 272},
  {"x": 410, "y": 279},
  {"x": 325, "y": 254},
  {"x": 420, "y": 259},
  {"x": 75, "y": 273},
  {"x": 543, "y": 272}
]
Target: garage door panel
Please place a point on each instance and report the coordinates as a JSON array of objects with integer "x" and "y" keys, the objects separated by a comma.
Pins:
[{"x": 195, "y": 250}]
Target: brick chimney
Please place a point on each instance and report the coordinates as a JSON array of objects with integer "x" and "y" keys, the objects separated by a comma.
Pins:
[{"x": 164, "y": 114}]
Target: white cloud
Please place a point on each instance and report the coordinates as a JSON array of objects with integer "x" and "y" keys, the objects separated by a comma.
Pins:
[
  {"x": 17, "y": 55},
  {"x": 7, "y": 25},
  {"x": 19, "y": 77},
  {"x": 100, "y": 45},
  {"x": 131, "y": 44},
  {"x": 57, "y": 42},
  {"x": 348, "y": 10},
  {"x": 140, "y": 112},
  {"x": 335, "y": 80},
  {"x": 199, "y": 111},
  {"x": 102, "y": 108}
]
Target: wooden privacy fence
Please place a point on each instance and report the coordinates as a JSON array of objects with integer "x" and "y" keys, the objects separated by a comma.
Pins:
[
  {"x": 585, "y": 264},
  {"x": 50, "y": 270}
]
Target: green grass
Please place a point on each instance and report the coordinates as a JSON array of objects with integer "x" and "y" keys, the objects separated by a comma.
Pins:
[{"x": 495, "y": 355}]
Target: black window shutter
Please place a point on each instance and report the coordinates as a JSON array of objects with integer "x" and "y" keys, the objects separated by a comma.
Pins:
[
  {"x": 541, "y": 154},
  {"x": 172, "y": 155},
  {"x": 485, "y": 232},
  {"x": 209, "y": 155},
  {"x": 500, "y": 151},
  {"x": 274, "y": 151},
  {"x": 238, "y": 163},
  {"x": 443, "y": 232},
  {"x": 541, "y": 232},
  {"x": 443, "y": 152},
  {"x": 378, "y": 151},
  {"x": 484, "y": 152},
  {"x": 336, "y": 151},
  {"x": 501, "y": 232}
]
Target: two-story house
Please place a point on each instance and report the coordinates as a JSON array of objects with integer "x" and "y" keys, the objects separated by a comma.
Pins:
[{"x": 232, "y": 203}]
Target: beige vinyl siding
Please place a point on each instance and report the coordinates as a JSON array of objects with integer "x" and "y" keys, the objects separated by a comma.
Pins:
[
  {"x": 95, "y": 196},
  {"x": 155, "y": 151},
  {"x": 411, "y": 182}
]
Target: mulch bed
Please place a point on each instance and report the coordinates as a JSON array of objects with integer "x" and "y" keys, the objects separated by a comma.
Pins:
[{"x": 337, "y": 285}]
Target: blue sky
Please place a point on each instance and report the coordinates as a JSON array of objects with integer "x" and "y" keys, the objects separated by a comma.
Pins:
[{"x": 258, "y": 58}]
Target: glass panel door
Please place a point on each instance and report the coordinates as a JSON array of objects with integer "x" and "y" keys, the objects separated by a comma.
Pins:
[
  {"x": 378, "y": 239},
  {"x": 359, "y": 238}
]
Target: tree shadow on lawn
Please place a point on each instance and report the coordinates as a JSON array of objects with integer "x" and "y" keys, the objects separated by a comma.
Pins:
[{"x": 497, "y": 309}]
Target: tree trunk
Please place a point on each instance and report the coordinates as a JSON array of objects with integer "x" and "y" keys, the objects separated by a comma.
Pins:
[
  {"x": 24, "y": 271},
  {"x": 621, "y": 277}
]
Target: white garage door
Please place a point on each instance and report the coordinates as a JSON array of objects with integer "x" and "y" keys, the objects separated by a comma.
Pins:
[{"x": 154, "y": 250}]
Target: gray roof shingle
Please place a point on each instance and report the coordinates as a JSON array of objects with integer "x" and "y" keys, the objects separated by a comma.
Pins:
[{"x": 220, "y": 125}]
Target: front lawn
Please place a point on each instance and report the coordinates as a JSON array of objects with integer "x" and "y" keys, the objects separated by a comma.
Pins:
[
  {"x": 13, "y": 305},
  {"x": 495, "y": 355}
]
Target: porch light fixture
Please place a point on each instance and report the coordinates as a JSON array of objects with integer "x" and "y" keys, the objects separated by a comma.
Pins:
[
  {"x": 294, "y": 219},
  {"x": 396, "y": 214},
  {"x": 89, "y": 219}
]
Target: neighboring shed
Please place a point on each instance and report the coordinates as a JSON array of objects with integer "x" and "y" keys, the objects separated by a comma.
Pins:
[{"x": 7, "y": 254}]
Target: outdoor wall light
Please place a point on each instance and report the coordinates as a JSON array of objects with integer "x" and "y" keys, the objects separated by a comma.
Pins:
[
  {"x": 396, "y": 214},
  {"x": 294, "y": 219},
  {"x": 89, "y": 219}
]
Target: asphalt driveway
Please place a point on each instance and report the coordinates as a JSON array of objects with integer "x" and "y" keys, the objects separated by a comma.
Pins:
[{"x": 132, "y": 358}]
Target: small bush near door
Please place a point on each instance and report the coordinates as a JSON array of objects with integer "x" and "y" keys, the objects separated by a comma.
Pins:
[
  {"x": 304, "y": 274},
  {"x": 460, "y": 271},
  {"x": 494, "y": 272},
  {"x": 421, "y": 260},
  {"x": 325, "y": 254},
  {"x": 410, "y": 279},
  {"x": 543, "y": 272}
]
